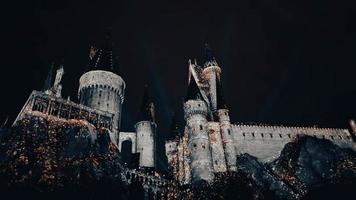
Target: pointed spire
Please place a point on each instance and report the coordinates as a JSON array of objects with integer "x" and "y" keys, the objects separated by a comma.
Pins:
[
  {"x": 147, "y": 107},
  {"x": 209, "y": 59},
  {"x": 102, "y": 57},
  {"x": 193, "y": 90},
  {"x": 48, "y": 82},
  {"x": 174, "y": 129},
  {"x": 220, "y": 100}
]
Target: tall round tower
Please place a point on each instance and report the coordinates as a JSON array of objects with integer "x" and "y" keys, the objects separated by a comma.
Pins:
[
  {"x": 101, "y": 87},
  {"x": 146, "y": 133},
  {"x": 222, "y": 114},
  {"x": 211, "y": 73},
  {"x": 195, "y": 113}
]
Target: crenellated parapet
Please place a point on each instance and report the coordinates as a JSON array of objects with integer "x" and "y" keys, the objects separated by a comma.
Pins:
[
  {"x": 194, "y": 108},
  {"x": 103, "y": 80},
  {"x": 266, "y": 142}
]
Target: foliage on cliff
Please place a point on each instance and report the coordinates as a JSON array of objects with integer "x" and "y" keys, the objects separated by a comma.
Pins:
[{"x": 39, "y": 155}]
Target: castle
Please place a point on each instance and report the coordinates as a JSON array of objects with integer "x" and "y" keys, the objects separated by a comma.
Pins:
[{"x": 209, "y": 144}]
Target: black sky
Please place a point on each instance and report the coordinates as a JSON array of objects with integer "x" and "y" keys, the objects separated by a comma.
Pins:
[{"x": 284, "y": 62}]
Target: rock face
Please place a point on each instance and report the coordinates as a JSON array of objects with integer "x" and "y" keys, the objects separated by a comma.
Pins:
[{"x": 73, "y": 159}]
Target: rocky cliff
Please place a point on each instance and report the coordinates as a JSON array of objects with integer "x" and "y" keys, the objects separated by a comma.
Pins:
[{"x": 67, "y": 159}]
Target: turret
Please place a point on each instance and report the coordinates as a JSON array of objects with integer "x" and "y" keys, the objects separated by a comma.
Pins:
[
  {"x": 211, "y": 72},
  {"x": 195, "y": 113},
  {"x": 222, "y": 115},
  {"x": 51, "y": 87},
  {"x": 101, "y": 88},
  {"x": 146, "y": 132}
]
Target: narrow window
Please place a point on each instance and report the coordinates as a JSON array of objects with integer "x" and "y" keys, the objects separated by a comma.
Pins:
[
  {"x": 253, "y": 134},
  {"x": 332, "y": 137},
  {"x": 340, "y": 137},
  {"x": 262, "y": 135},
  {"x": 201, "y": 127},
  {"x": 280, "y": 135},
  {"x": 229, "y": 132},
  {"x": 203, "y": 146},
  {"x": 243, "y": 134},
  {"x": 271, "y": 135},
  {"x": 289, "y": 136}
]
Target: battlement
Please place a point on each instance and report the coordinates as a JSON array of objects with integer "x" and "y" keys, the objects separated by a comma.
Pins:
[
  {"x": 48, "y": 105},
  {"x": 285, "y": 132},
  {"x": 102, "y": 79},
  {"x": 194, "y": 107}
]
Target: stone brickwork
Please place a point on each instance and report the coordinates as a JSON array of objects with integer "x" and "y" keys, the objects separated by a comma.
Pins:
[
  {"x": 195, "y": 112},
  {"x": 128, "y": 136},
  {"x": 146, "y": 143},
  {"x": 103, "y": 90},
  {"x": 217, "y": 149},
  {"x": 266, "y": 142}
]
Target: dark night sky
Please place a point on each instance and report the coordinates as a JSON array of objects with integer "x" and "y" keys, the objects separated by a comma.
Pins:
[{"x": 284, "y": 62}]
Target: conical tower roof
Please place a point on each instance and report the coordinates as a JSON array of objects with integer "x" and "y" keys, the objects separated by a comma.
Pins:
[
  {"x": 209, "y": 58},
  {"x": 102, "y": 57},
  {"x": 147, "y": 107},
  {"x": 193, "y": 91}
]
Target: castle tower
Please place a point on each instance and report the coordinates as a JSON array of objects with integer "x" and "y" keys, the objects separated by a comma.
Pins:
[
  {"x": 222, "y": 114},
  {"x": 210, "y": 73},
  {"x": 54, "y": 87},
  {"x": 146, "y": 132},
  {"x": 195, "y": 113},
  {"x": 101, "y": 87}
]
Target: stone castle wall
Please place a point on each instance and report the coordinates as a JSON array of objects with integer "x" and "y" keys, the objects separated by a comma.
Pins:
[{"x": 266, "y": 142}]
